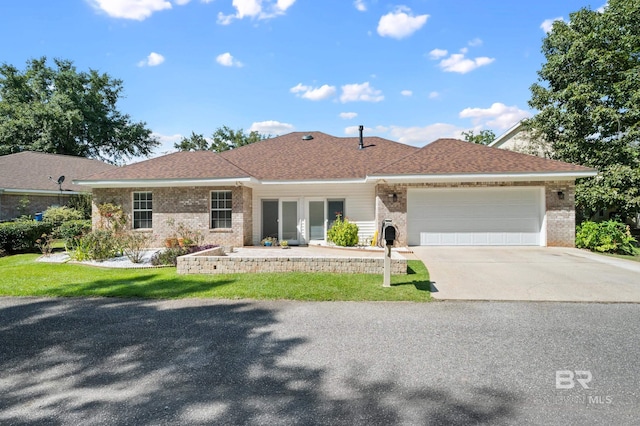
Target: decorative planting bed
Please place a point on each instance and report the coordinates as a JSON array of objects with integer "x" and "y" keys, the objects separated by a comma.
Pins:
[{"x": 307, "y": 259}]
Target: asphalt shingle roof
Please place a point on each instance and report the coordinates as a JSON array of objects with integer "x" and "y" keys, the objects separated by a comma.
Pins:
[
  {"x": 179, "y": 165},
  {"x": 325, "y": 157},
  {"x": 31, "y": 170},
  {"x": 452, "y": 156}
]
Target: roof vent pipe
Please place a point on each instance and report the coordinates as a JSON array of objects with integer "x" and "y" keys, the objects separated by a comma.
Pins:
[{"x": 361, "y": 145}]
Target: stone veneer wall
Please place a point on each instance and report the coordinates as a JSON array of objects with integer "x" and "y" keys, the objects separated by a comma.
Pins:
[
  {"x": 213, "y": 263},
  {"x": 188, "y": 205},
  {"x": 560, "y": 225}
]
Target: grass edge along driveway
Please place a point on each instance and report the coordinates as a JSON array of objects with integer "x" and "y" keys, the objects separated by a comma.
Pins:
[{"x": 21, "y": 275}]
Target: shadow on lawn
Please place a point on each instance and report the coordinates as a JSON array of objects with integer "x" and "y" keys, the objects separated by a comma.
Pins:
[
  {"x": 85, "y": 361},
  {"x": 419, "y": 284},
  {"x": 147, "y": 286}
]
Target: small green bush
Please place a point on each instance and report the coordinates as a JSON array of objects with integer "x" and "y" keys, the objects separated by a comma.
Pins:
[
  {"x": 58, "y": 215},
  {"x": 168, "y": 256},
  {"x": 99, "y": 244},
  {"x": 606, "y": 237},
  {"x": 343, "y": 233},
  {"x": 72, "y": 230},
  {"x": 21, "y": 236}
]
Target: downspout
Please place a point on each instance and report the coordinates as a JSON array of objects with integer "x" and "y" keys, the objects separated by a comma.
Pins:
[{"x": 1, "y": 192}]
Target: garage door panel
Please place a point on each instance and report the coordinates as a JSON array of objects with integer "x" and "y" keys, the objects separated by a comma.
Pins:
[{"x": 482, "y": 216}]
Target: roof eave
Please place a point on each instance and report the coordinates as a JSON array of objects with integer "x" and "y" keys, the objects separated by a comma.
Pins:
[
  {"x": 483, "y": 177},
  {"x": 160, "y": 183},
  {"x": 21, "y": 191}
]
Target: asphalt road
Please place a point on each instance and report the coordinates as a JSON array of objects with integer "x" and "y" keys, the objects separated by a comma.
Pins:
[{"x": 111, "y": 361}]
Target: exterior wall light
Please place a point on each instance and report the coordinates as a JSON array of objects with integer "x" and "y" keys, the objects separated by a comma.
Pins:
[{"x": 560, "y": 195}]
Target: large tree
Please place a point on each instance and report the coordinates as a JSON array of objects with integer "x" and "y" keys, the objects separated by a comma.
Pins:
[
  {"x": 63, "y": 111},
  {"x": 223, "y": 139},
  {"x": 588, "y": 98},
  {"x": 484, "y": 137}
]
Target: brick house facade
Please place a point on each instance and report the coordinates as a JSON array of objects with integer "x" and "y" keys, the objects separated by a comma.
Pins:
[{"x": 323, "y": 173}]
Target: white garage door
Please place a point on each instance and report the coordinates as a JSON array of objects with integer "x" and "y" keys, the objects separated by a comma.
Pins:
[{"x": 475, "y": 217}]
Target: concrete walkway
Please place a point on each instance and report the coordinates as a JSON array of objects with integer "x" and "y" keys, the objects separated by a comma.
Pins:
[{"x": 529, "y": 273}]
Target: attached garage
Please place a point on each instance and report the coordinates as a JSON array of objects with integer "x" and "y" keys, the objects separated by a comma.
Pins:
[{"x": 500, "y": 216}]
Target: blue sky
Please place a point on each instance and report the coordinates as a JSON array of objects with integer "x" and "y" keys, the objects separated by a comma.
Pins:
[{"x": 410, "y": 71}]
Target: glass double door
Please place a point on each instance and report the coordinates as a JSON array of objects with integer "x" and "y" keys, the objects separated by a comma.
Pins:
[
  {"x": 281, "y": 219},
  {"x": 322, "y": 214}
]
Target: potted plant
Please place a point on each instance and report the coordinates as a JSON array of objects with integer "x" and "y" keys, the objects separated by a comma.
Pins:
[
  {"x": 269, "y": 241},
  {"x": 284, "y": 244},
  {"x": 171, "y": 241}
]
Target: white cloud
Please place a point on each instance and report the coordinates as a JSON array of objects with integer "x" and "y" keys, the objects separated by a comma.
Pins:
[
  {"x": 271, "y": 127},
  {"x": 255, "y": 9},
  {"x": 131, "y": 9},
  {"x": 181, "y": 2},
  {"x": 434, "y": 95},
  {"x": 457, "y": 62},
  {"x": 438, "y": 53},
  {"x": 420, "y": 136},
  {"x": 400, "y": 23},
  {"x": 406, "y": 93},
  {"x": 360, "y": 5},
  {"x": 475, "y": 42},
  {"x": 360, "y": 92},
  {"x": 348, "y": 115},
  {"x": 313, "y": 93},
  {"x": 547, "y": 24},
  {"x": 498, "y": 115},
  {"x": 227, "y": 60},
  {"x": 154, "y": 59}
]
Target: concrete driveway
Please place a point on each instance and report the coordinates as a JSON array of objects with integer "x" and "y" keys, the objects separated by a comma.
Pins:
[{"x": 529, "y": 273}]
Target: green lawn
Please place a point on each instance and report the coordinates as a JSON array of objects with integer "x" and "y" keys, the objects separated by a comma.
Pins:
[
  {"x": 635, "y": 258},
  {"x": 21, "y": 275}
]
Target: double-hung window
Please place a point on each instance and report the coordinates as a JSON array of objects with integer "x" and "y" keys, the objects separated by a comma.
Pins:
[
  {"x": 142, "y": 210},
  {"x": 220, "y": 209}
]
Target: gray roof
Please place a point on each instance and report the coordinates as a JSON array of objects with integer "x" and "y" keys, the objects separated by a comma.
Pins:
[{"x": 30, "y": 171}]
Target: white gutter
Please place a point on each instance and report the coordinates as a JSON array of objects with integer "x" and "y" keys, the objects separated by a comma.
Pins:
[
  {"x": 312, "y": 182},
  {"x": 158, "y": 183},
  {"x": 483, "y": 177},
  {"x": 39, "y": 192}
]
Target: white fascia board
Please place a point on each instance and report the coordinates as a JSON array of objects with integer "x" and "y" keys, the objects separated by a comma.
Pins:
[
  {"x": 313, "y": 182},
  {"x": 159, "y": 183},
  {"x": 493, "y": 177},
  {"x": 38, "y": 192}
]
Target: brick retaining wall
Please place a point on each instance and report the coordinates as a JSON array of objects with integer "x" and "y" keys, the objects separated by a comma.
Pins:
[{"x": 211, "y": 262}]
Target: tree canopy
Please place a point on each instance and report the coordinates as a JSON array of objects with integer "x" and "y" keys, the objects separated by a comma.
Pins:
[
  {"x": 223, "y": 139},
  {"x": 484, "y": 137},
  {"x": 588, "y": 98},
  {"x": 63, "y": 111}
]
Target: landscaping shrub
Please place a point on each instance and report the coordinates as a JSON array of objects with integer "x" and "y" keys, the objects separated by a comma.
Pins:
[
  {"x": 606, "y": 237},
  {"x": 72, "y": 230},
  {"x": 100, "y": 244},
  {"x": 21, "y": 236},
  {"x": 343, "y": 233},
  {"x": 134, "y": 244},
  {"x": 58, "y": 215},
  {"x": 169, "y": 256}
]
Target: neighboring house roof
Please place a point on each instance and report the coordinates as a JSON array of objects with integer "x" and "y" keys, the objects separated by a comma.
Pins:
[
  {"x": 506, "y": 136},
  {"x": 452, "y": 156},
  {"x": 290, "y": 158},
  {"x": 179, "y": 165},
  {"x": 29, "y": 172}
]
